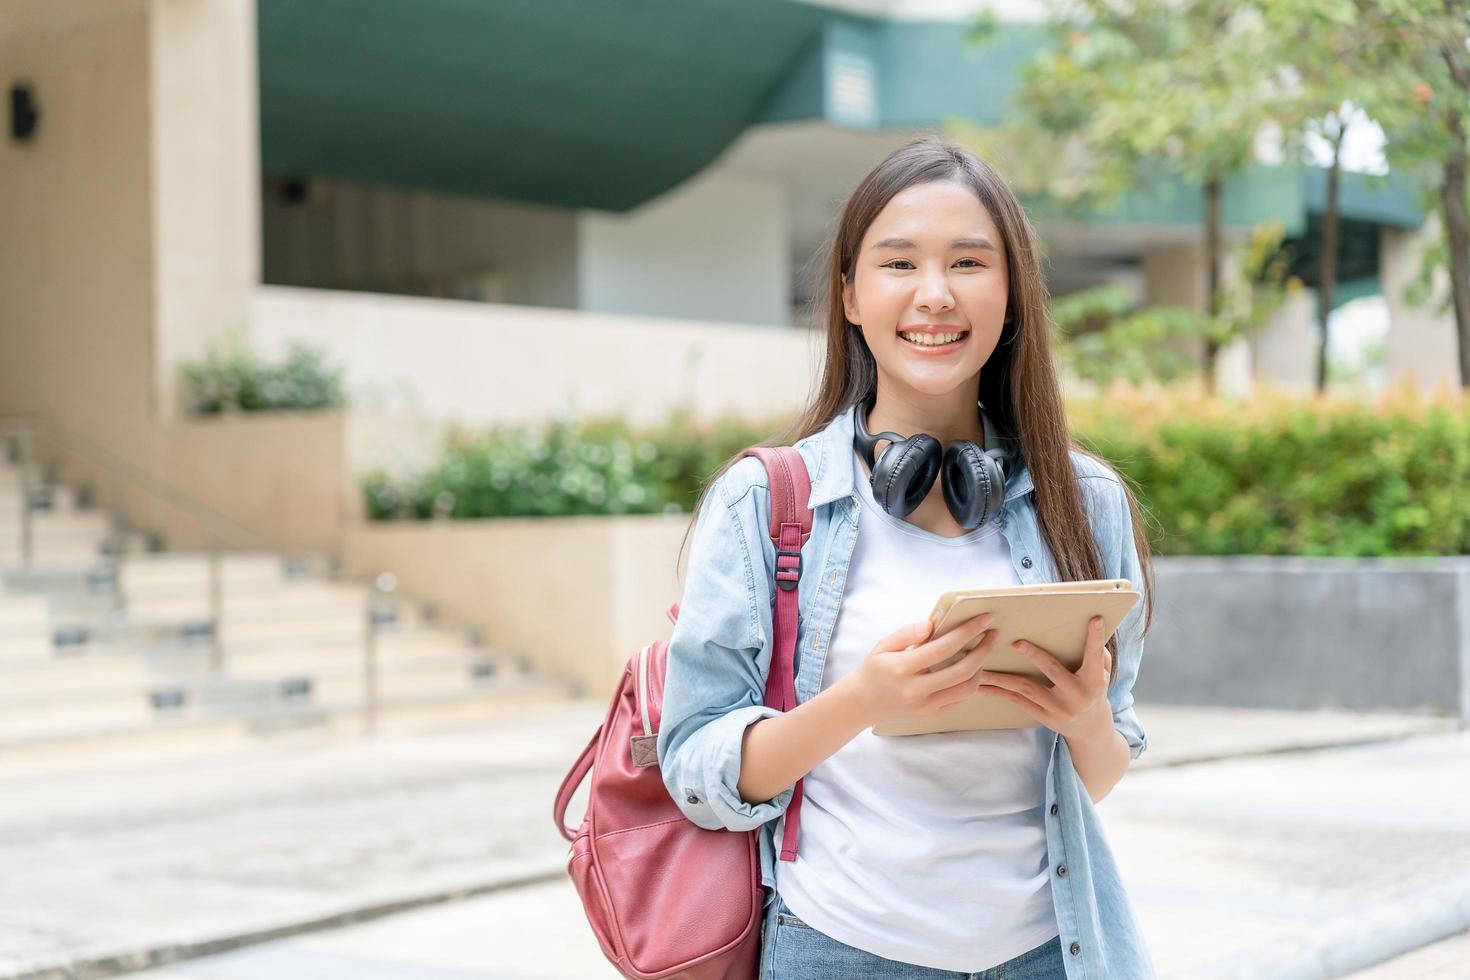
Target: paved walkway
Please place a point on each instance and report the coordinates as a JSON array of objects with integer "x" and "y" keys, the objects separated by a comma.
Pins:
[{"x": 1307, "y": 864}]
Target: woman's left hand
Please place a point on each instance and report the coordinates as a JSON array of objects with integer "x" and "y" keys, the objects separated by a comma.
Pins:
[{"x": 1076, "y": 704}]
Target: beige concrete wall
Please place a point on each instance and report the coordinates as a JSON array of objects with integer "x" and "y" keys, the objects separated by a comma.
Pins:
[
  {"x": 1421, "y": 342},
  {"x": 576, "y": 595},
  {"x": 483, "y": 362},
  {"x": 76, "y": 265},
  {"x": 128, "y": 238}
]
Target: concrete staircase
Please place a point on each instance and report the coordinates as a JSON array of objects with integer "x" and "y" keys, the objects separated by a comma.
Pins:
[{"x": 100, "y": 654}]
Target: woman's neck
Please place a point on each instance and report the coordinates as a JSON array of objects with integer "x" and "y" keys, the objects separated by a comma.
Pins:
[{"x": 946, "y": 418}]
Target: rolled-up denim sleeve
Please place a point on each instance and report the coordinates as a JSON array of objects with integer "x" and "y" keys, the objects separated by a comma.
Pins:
[
  {"x": 1130, "y": 630},
  {"x": 715, "y": 676}
]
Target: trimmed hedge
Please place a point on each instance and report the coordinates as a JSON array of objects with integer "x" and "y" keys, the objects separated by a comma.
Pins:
[
  {"x": 1281, "y": 475},
  {"x": 1276, "y": 474}
]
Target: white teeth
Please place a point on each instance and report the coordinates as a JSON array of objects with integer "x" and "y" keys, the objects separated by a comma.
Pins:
[{"x": 931, "y": 340}]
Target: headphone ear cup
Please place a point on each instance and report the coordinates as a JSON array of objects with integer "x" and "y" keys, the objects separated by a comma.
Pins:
[
  {"x": 905, "y": 472},
  {"x": 974, "y": 482}
]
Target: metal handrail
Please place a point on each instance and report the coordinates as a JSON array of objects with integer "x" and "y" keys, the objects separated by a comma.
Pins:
[
  {"x": 213, "y": 520},
  {"x": 218, "y": 528}
]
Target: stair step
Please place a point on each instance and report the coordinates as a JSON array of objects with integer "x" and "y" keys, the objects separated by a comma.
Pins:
[
  {"x": 427, "y": 711},
  {"x": 187, "y": 569},
  {"x": 18, "y": 611},
  {"x": 135, "y": 669},
  {"x": 72, "y": 554},
  {"x": 58, "y": 524},
  {"x": 296, "y": 601},
  {"x": 26, "y": 647}
]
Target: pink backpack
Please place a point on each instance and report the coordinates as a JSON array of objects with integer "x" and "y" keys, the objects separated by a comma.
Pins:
[{"x": 665, "y": 897}]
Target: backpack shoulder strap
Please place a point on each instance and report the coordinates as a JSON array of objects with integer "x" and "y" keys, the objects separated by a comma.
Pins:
[{"x": 791, "y": 525}]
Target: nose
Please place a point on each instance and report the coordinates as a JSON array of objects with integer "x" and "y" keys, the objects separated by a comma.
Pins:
[{"x": 933, "y": 295}]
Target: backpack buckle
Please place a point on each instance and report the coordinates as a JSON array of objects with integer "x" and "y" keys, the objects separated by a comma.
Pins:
[{"x": 788, "y": 572}]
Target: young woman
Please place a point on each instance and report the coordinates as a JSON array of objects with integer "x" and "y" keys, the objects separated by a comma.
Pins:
[{"x": 961, "y": 854}]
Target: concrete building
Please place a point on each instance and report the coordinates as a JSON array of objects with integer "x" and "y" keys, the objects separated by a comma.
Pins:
[{"x": 431, "y": 191}]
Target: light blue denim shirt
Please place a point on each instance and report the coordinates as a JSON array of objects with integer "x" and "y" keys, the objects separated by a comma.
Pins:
[{"x": 720, "y": 653}]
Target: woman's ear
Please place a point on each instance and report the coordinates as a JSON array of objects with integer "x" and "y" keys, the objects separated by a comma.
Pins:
[{"x": 849, "y": 302}]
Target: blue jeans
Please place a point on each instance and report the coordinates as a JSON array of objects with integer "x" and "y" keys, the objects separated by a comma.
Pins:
[{"x": 793, "y": 950}]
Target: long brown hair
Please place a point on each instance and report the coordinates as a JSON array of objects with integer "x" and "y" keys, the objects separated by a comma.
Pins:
[{"x": 1018, "y": 384}]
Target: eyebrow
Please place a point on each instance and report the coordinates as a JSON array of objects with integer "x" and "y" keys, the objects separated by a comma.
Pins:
[{"x": 978, "y": 243}]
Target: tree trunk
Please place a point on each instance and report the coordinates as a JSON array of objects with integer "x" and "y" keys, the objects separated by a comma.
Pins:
[
  {"x": 1212, "y": 264},
  {"x": 1457, "y": 229},
  {"x": 1452, "y": 201},
  {"x": 1328, "y": 268}
]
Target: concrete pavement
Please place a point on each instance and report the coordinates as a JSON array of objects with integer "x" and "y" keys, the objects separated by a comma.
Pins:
[{"x": 1278, "y": 862}]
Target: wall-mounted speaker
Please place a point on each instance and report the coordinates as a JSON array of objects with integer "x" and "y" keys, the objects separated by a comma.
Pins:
[{"x": 24, "y": 116}]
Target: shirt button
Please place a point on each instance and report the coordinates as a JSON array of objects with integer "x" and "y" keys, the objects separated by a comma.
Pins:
[
  {"x": 1075, "y": 949},
  {"x": 1053, "y": 809},
  {"x": 1061, "y": 871},
  {"x": 1026, "y": 562}
]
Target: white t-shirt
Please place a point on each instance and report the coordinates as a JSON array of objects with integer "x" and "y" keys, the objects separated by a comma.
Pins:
[{"x": 927, "y": 849}]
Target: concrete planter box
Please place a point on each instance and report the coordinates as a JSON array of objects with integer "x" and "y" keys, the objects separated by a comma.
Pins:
[
  {"x": 292, "y": 477},
  {"x": 577, "y": 596},
  {"x": 1365, "y": 634}
]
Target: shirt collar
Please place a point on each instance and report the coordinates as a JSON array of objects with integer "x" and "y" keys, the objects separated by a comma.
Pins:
[{"x": 834, "y": 447}]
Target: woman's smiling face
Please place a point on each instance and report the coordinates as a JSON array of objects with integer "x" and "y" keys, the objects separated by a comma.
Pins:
[{"x": 932, "y": 260}]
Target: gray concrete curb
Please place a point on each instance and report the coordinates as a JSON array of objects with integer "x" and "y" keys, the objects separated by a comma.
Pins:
[
  {"x": 146, "y": 959},
  {"x": 1298, "y": 748},
  {"x": 1348, "y": 949}
]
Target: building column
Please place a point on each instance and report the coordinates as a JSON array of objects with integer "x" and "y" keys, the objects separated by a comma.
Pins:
[
  {"x": 205, "y": 181},
  {"x": 1421, "y": 342}
]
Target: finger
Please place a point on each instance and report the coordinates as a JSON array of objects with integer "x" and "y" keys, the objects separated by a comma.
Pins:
[
  {"x": 1092, "y": 652},
  {"x": 960, "y": 675},
  {"x": 1036, "y": 711},
  {"x": 1033, "y": 691},
  {"x": 943, "y": 647},
  {"x": 907, "y": 636},
  {"x": 1055, "y": 671},
  {"x": 957, "y": 681}
]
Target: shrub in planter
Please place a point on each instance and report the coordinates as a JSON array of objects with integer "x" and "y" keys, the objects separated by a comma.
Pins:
[
  {"x": 565, "y": 468},
  {"x": 233, "y": 378}
]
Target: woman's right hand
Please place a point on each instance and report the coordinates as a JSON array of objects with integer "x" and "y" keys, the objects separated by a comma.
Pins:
[{"x": 894, "y": 682}]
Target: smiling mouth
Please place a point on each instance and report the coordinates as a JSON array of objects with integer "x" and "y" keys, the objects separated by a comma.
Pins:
[{"x": 920, "y": 345}]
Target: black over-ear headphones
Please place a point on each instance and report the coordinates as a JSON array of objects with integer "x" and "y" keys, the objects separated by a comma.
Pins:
[{"x": 974, "y": 479}]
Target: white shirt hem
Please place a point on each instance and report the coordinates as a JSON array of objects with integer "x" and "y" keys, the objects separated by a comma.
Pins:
[{"x": 923, "y": 957}]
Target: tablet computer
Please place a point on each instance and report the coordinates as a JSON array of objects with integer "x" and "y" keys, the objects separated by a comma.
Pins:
[{"x": 1053, "y": 616}]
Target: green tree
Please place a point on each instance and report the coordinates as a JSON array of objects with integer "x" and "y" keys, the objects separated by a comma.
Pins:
[
  {"x": 1422, "y": 101},
  {"x": 1128, "y": 93},
  {"x": 1102, "y": 337}
]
